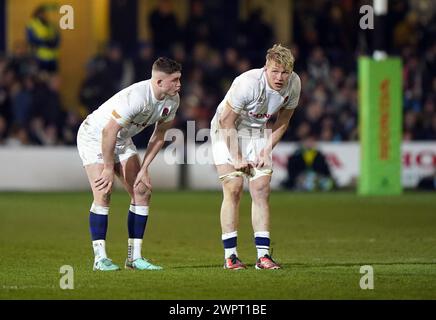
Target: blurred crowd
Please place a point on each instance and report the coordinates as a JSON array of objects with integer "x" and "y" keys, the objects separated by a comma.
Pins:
[
  {"x": 327, "y": 42},
  {"x": 31, "y": 110}
]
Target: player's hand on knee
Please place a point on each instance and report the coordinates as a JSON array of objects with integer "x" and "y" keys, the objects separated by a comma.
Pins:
[
  {"x": 141, "y": 181},
  {"x": 105, "y": 181},
  {"x": 141, "y": 189}
]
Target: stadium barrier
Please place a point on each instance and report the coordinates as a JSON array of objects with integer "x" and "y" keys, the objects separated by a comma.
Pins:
[
  {"x": 418, "y": 158},
  {"x": 60, "y": 169}
]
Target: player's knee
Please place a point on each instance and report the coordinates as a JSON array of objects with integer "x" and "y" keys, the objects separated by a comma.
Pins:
[
  {"x": 233, "y": 190},
  {"x": 141, "y": 194},
  {"x": 260, "y": 192},
  {"x": 235, "y": 196},
  {"x": 103, "y": 197}
]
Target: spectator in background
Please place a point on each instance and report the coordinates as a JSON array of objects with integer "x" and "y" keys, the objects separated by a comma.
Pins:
[
  {"x": 335, "y": 33},
  {"x": 428, "y": 183},
  {"x": 22, "y": 101},
  {"x": 318, "y": 65},
  {"x": 197, "y": 28},
  {"x": 412, "y": 82},
  {"x": 47, "y": 101},
  {"x": 114, "y": 66},
  {"x": 164, "y": 28},
  {"x": 47, "y": 114},
  {"x": 70, "y": 123},
  {"x": 313, "y": 113},
  {"x": 44, "y": 39},
  {"x": 143, "y": 62},
  {"x": 410, "y": 121},
  {"x": 18, "y": 137},
  {"x": 7, "y": 77},
  {"x": 429, "y": 72},
  {"x": 96, "y": 88},
  {"x": 107, "y": 73},
  {"x": 308, "y": 169},
  {"x": 22, "y": 62},
  {"x": 428, "y": 115},
  {"x": 231, "y": 59},
  {"x": 329, "y": 79},
  {"x": 256, "y": 36},
  {"x": 403, "y": 30},
  {"x": 4, "y": 101},
  {"x": 3, "y": 130}
]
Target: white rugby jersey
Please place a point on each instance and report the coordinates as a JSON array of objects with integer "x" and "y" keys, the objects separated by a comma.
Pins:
[
  {"x": 255, "y": 101},
  {"x": 134, "y": 108}
]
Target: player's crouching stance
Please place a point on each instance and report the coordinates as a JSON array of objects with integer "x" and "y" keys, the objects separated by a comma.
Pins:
[
  {"x": 106, "y": 148},
  {"x": 241, "y": 148}
]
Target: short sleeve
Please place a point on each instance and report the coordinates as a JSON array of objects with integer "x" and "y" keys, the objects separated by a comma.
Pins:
[
  {"x": 127, "y": 108},
  {"x": 241, "y": 93},
  {"x": 294, "y": 94}
]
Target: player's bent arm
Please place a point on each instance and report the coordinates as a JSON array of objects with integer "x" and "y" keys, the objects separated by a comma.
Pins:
[
  {"x": 109, "y": 138},
  {"x": 281, "y": 125},
  {"x": 227, "y": 122},
  {"x": 156, "y": 143}
]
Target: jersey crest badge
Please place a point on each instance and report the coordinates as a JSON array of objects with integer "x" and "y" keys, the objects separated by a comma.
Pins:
[{"x": 165, "y": 112}]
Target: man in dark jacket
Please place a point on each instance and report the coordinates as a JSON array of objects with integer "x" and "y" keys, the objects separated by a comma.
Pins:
[{"x": 308, "y": 168}]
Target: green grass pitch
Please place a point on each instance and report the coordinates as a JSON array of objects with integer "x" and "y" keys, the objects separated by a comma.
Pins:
[{"x": 321, "y": 240}]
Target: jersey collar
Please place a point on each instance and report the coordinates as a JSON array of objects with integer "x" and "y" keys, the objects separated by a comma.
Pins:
[{"x": 153, "y": 98}]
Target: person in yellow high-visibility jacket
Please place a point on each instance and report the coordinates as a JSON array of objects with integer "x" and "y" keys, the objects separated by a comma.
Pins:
[{"x": 44, "y": 39}]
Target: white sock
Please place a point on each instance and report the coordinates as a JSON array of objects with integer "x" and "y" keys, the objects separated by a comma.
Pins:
[
  {"x": 229, "y": 251},
  {"x": 99, "y": 247},
  {"x": 134, "y": 249},
  {"x": 262, "y": 250},
  {"x": 139, "y": 210}
]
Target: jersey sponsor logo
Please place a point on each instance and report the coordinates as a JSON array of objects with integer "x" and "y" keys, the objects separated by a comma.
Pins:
[{"x": 260, "y": 115}]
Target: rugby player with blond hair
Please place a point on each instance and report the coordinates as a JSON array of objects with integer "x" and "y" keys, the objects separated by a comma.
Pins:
[{"x": 242, "y": 147}]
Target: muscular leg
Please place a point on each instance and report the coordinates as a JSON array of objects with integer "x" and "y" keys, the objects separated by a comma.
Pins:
[
  {"x": 260, "y": 214},
  {"x": 138, "y": 213},
  {"x": 232, "y": 193},
  {"x": 98, "y": 219},
  {"x": 140, "y": 196},
  {"x": 260, "y": 191},
  {"x": 93, "y": 171},
  {"x": 139, "y": 203}
]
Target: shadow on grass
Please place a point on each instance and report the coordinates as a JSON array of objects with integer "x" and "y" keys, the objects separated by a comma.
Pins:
[{"x": 313, "y": 265}]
